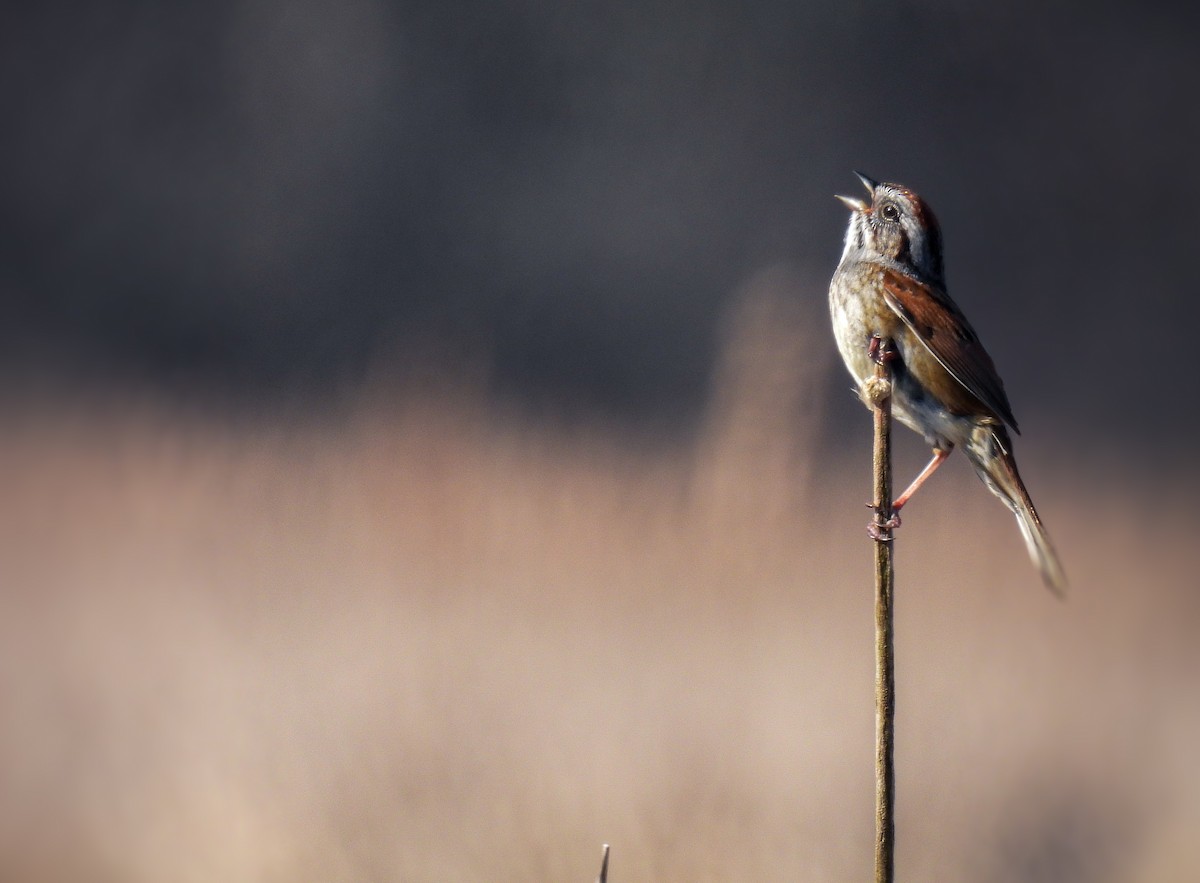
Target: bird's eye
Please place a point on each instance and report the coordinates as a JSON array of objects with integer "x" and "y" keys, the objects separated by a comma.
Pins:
[{"x": 890, "y": 211}]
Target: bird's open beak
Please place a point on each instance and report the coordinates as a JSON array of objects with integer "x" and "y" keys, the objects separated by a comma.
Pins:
[
  {"x": 857, "y": 205},
  {"x": 869, "y": 183}
]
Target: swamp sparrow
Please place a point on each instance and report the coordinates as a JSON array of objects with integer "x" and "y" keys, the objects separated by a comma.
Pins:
[{"x": 888, "y": 299}]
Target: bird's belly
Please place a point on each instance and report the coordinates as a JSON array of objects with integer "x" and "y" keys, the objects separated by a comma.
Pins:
[{"x": 926, "y": 416}]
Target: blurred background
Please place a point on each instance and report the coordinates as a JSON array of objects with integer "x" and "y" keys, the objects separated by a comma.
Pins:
[{"x": 425, "y": 456}]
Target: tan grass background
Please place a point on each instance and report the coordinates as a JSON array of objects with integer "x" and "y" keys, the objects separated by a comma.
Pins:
[{"x": 432, "y": 641}]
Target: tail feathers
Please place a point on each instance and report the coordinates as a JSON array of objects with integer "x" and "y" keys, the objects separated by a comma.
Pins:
[
  {"x": 1041, "y": 552},
  {"x": 990, "y": 452}
]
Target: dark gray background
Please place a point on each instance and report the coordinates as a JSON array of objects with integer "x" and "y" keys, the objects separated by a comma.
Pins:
[{"x": 258, "y": 202}]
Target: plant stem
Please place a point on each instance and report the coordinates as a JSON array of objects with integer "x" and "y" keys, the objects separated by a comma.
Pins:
[{"x": 880, "y": 395}]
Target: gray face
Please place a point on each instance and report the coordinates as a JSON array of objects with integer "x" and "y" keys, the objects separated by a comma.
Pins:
[{"x": 899, "y": 228}]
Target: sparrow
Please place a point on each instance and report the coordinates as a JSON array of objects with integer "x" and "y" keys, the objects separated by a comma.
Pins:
[{"x": 888, "y": 300}]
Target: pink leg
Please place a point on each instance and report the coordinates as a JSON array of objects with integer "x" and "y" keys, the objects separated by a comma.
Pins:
[{"x": 938, "y": 457}]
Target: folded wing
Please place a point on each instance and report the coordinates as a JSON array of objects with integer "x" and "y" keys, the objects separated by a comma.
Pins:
[{"x": 940, "y": 325}]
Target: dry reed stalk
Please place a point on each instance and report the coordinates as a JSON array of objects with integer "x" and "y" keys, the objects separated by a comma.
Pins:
[{"x": 879, "y": 394}]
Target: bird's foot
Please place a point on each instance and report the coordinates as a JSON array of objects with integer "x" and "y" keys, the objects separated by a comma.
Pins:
[
  {"x": 879, "y": 353},
  {"x": 882, "y": 532},
  {"x": 885, "y": 522}
]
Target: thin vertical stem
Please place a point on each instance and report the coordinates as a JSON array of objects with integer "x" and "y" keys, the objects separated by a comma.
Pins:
[
  {"x": 880, "y": 395},
  {"x": 603, "y": 878}
]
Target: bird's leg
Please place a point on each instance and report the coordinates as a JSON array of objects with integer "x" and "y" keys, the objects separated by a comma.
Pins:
[
  {"x": 893, "y": 521},
  {"x": 938, "y": 457},
  {"x": 878, "y": 352}
]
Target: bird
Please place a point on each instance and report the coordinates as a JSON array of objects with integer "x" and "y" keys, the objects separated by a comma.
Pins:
[{"x": 888, "y": 299}]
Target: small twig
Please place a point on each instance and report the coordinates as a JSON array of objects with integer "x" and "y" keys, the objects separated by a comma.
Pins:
[
  {"x": 879, "y": 393},
  {"x": 603, "y": 878}
]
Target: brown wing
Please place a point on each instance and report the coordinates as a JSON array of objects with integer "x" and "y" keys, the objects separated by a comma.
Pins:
[{"x": 940, "y": 325}]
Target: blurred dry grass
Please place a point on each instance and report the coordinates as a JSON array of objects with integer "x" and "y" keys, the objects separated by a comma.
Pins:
[{"x": 431, "y": 643}]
